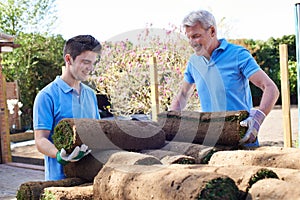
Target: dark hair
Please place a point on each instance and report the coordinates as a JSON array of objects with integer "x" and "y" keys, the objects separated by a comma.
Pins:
[{"x": 81, "y": 43}]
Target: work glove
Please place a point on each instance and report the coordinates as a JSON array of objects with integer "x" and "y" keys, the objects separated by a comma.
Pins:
[
  {"x": 79, "y": 152},
  {"x": 253, "y": 122}
]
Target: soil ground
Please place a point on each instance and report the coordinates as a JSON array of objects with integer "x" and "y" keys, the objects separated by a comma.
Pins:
[{"x": 12, "y": 175}]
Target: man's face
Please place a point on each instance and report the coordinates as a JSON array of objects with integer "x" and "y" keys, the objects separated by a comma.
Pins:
[
  {"x": 83, "y": 65},
  {"x": 200, "y": 39}
]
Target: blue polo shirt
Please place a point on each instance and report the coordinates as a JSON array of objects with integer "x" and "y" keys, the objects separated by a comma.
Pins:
[
  {"x": 58, "y": 101},
  {"x": 222, "y": 82}
]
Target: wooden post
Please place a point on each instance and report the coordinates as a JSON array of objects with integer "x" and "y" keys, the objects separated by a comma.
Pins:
[
  {"x": 4, "y": 127},
  {"x": 297, "y": 28},
  {"x": 154, "y": 88},
  {"x": 6, "y": 45},
  {"x": 285, "y": 95}
]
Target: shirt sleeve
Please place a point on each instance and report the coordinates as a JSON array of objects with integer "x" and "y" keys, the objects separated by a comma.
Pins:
[
  {"x": 247, "y": 63},
  {"x": 188, "y": 74},
  {"x": 43, "y": 112}
]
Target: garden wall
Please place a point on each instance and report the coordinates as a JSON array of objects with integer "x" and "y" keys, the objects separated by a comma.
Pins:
[{"x": 12, "y": 93}]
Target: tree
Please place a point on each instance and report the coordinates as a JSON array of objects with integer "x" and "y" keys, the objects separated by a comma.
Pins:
[
  {"x": 34, "y": 65},
  {"x": 39, "y": 59},
  {"x": 34, "y": 16}
]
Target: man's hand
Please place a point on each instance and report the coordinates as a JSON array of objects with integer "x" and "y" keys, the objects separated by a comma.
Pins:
[
  {"x": 253, "y": 123},
  {"x": 78, "y": 153}
]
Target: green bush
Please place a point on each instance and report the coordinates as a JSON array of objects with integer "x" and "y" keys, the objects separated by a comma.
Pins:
[
  {"x": 34, "y": 64},
  {"x": 293, "y": 77}
]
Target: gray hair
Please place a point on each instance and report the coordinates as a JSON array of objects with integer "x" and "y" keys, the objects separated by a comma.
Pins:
[{"x": 205, "y": 18}]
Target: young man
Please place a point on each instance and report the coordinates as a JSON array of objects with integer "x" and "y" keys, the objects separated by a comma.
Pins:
[
  {"x": 221, "y": 73},
  {"x": 66, "y": 97}
]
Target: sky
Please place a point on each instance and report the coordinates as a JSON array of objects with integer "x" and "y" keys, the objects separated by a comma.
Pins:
[{"x": 255, "y": 19}]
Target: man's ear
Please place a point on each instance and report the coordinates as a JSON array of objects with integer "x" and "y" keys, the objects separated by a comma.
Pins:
[
  {"x": 68, "y": 59},
  {"x": 213, "y": 31}
]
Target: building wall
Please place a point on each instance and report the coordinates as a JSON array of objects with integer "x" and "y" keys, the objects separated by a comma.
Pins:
[{"x": 12, "y": 92}]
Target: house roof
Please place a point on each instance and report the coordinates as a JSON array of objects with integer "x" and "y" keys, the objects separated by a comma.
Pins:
[
  {"x": 7, "y": 42},
  {"x": 6, "y": 38}
]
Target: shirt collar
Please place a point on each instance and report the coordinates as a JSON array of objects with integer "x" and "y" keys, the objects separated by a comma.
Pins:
[
  {"x": 223, "y": 44},
  {"x": 63, "y": 85}
]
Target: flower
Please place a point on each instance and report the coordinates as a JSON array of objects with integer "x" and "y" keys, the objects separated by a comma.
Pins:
[{"x": 11, "y": 103}]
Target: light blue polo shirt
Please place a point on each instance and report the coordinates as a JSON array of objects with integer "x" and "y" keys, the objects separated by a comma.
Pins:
[
  {"x": 58, "y": 101},
  {"x": 222, "y": 82}
]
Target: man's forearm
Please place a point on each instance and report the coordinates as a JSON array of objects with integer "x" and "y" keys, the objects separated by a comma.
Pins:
[
  {"x": 179, "y": 102},
  {"x": 269, "y": 98}
]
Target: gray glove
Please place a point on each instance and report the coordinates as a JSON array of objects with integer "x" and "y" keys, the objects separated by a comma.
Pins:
[
  {"x": 79, "y": 152},
  {"x": 253, "y": 122}
]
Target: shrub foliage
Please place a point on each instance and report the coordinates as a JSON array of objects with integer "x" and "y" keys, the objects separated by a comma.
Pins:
[{"x": 124, "y": 71}]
